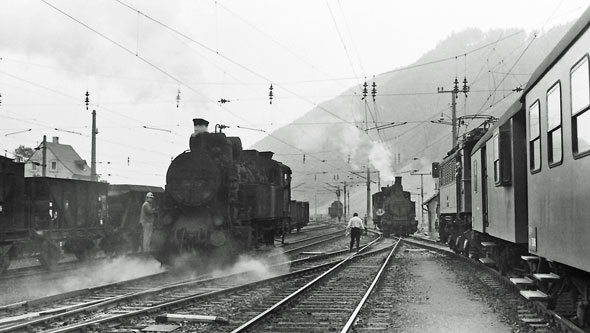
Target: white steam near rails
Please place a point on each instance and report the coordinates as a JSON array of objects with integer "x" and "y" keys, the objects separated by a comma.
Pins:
[
  {"x": 115, "y": 270},
  {"x": 259, "y": 268}
]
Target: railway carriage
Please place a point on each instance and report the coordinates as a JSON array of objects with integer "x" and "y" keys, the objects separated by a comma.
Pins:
[
  {"x": 124, "y": 234},
  {"x": 499, "y": 190},
  {"x": 530, "y": 186},
  {"x": 298, "y": 215},
  {"x": 43, "y": 216},
  {"x": 556, "y": 103}
]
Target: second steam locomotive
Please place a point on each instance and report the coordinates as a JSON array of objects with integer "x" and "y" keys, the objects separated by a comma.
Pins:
[{"x": 394, "y": 211}]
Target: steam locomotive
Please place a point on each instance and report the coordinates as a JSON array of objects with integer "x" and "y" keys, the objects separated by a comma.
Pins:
[
  {"x": 518, "y": 193},
  {"x": 335, "y": 211},
  {"x": 393, "y": 210},
  {"x": 220, "y": 198}
]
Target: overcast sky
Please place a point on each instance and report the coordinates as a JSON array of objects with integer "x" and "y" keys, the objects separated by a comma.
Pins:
[{"x": 134, "y": 56}]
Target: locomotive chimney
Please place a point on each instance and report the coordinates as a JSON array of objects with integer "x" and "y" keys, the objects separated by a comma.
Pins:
[
  {"x": 200, "y": 125},
  {"x": 398, "y": 180},
  {"x": 196, "y": 141}
]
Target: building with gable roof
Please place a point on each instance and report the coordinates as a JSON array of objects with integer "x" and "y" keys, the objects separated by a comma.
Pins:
[{"x": 62, "y": 162}]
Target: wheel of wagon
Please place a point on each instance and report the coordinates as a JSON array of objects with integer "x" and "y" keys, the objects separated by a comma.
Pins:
[
  {"x": 49, "y": 255},
  {"x": 4, "y": 263},
  {"x": 85, "y": 254}
]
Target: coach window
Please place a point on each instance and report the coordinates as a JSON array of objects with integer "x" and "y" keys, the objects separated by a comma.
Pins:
[
  {"x": 554, "y": 142},
  {"x": 535, "y": 137},
  {"x": 496, "y": 143},
  {"x": 475, "y": 179},
  {"x": 580, "y": 87}
]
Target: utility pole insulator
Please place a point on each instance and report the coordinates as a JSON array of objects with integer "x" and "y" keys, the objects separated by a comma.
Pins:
[
  {"x": 454, "y": 93},
  {"x": 270, "y": 94}
]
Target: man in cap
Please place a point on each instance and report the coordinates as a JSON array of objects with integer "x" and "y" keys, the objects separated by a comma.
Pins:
[{"x": 146, "y": 219}]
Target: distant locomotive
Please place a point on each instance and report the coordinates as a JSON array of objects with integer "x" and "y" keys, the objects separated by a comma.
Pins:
[
  {"x": 455, "y": 190},
  {"x": 220, "y": 197},
  {"x": 516, "y": 197},
  {"x": 393, "y": 210},
  {"x": 336, "y": 210}
]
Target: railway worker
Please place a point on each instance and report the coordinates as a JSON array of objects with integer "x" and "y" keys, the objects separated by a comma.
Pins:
[
  {"x": 146, "y": 219},
  {"x": 355, "y": 227}
]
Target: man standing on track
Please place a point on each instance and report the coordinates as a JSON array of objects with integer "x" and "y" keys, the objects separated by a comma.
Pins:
[{"x": 355, "y": 227}]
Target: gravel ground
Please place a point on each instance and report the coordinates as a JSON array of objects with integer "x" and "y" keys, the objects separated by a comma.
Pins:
[{"x": 430, "y": 292}]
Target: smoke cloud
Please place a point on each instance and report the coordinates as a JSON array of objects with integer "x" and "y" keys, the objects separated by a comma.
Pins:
[{"x": 380, "y": 157}]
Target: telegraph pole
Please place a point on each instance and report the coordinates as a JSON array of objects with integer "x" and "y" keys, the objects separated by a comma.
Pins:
[
  {"x": 345, "y": 200},
  {"x": 44, "y": 156},
  {"x": 368, "y": 195},
  {"x": 421, "y": 174},
  {"x": 454, "y": 93},
  {"x": 93, "y": 152}
]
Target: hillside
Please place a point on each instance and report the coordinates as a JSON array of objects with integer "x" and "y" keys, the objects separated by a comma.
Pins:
[{"x": 334, "y": 136}]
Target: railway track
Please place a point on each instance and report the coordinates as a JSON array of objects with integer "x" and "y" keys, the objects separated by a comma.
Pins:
[
  {"x": 331, "y": 301},
  {"x": 143, "y": 294},
  {"x": 534, "y": 314}
]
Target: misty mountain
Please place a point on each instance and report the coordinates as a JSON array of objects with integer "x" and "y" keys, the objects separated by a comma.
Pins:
[{"x": 332, "y": 141}]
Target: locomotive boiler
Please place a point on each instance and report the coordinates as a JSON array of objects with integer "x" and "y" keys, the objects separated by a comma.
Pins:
[
  {"x": 393, "y": 210},
  {"x": 221, "y": 197}
]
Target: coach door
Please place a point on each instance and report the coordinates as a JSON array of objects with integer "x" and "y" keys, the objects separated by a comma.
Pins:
[{"x": 484, "y": 188}]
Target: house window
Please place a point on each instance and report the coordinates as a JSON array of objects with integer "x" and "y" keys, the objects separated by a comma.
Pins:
[
  {"x": 33, "y": 165},
  {"x": 554, "y": 142},
  {"x": 580, "y": 87},
  {"x": 53, "y": 166},
  {"x": 535, "y": 137}
]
